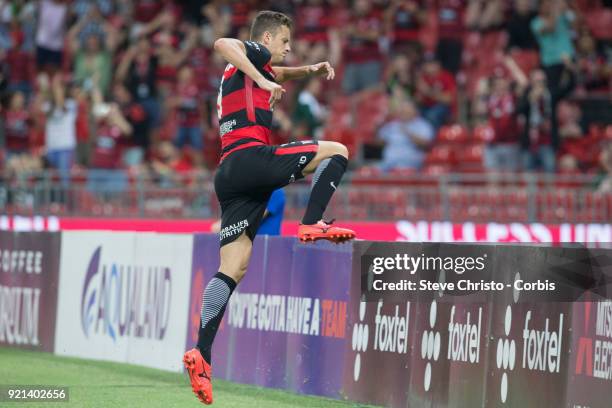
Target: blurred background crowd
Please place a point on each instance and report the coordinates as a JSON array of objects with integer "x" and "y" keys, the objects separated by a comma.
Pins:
[{"x": 120, "y": 88}]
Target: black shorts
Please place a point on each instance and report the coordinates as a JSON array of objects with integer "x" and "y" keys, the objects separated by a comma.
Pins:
[
  {"x": 246, "y": 178},
  {"x": 45, "y": 56}
]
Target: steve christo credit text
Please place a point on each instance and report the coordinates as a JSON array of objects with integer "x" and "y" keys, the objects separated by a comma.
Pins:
[{"x": 458, "y": 265}]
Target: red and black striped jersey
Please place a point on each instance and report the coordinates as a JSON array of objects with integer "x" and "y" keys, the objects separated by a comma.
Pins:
[{"x": 243, "y": 107}]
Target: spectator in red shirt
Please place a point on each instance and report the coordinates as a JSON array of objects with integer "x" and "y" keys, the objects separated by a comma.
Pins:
[
  {"x": 138, "y": 71},
  {"x": 111, "y": 127},
  {"x": 20, "y": 65},
  {"x": 136, "y": 146},
  {"x": 593, "y": 72},
  {"x": 17, "y": 126},
  {"x": 173, "y": 44},
  {"x": 146, "y": 10},
  {"x": 451, "y": 29},
  {"x": 313, "y": 20},
  {"x": 188, "y": 108},
  {"x": 241, "y": 11},
  {"x": 503, "y": 151},
  {"x": 435, "y": 92},
  {"x": 484, "y": 16},
  {"x": 403, "y": 20},
  {"x": 199, "y": 59},
  {"x": 170, "y": 165},
  {"x": 362, "y": 56},
  {"x": 106, "y": 174},
  {"x": 164, "y": 39},
  {"x": 539, "y": 142}
]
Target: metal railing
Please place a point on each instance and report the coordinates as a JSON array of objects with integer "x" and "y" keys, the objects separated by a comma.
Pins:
[{"x": 448, "y": 197}]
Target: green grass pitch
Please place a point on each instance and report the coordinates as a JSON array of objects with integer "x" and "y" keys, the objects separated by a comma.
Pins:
[{"x": 104, "y": 384}]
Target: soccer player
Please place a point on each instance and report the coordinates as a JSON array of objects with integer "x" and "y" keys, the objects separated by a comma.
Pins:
[{"x": 251, "y": 169}]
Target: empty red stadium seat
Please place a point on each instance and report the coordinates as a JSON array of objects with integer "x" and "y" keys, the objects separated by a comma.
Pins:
[
  {"x": 483, "y": 134},
  {"x": 441, "y": 154},
  {"x": 453, "y": 134},
  {"x": 472, "y": 153},
  {"x": 344, "y": 136}
]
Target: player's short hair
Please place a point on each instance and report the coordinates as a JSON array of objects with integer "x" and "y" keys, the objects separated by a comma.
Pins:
[{"x": 269, "y": 21}]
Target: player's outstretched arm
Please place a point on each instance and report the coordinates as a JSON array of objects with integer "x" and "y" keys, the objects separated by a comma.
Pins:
[
  {"x": 234, "y": 52},
  {"x": 284, "y": 74}
]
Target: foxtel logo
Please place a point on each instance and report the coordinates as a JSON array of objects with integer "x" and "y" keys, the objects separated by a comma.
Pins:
[
  {"x": 464, "y": 338},
  {"x": 542, "y": 348},
  {"x": 391, "y": 331}
]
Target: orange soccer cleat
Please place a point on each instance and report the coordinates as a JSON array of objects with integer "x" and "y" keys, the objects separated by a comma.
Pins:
[
  {"x": 200, "y": 375},
  {"x": 324, "y": 230}
]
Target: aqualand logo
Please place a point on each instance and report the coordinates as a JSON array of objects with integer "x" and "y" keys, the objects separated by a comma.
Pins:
[{"x": 122, "y": 300}]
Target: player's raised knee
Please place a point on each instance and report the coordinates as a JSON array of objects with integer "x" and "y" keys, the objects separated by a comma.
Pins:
[
  {"x": 329, "y": 149},
  {"x": 342, "y": 150}
]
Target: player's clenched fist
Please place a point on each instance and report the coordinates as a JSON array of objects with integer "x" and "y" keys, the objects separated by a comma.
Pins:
[
  {"x": 323, "y": 68},
  {"x": 276, "y": 91}
]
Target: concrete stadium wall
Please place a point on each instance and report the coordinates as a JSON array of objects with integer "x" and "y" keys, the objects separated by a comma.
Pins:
[{"x": 299, "y": 320}]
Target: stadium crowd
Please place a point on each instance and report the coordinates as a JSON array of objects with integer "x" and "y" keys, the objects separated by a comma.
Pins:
[{"x": 424, "y": 85}]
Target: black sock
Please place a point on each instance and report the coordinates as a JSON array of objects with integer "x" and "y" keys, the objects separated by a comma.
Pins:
[
  {"x": 214, "y": 300},
  {"x": 326, "y": 180}
]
